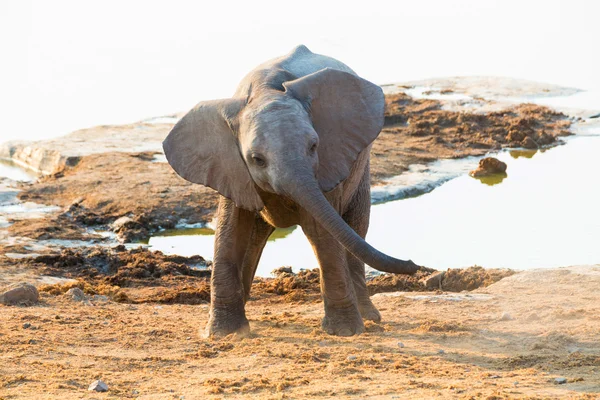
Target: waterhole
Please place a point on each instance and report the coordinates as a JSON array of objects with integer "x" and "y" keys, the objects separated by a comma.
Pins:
[{"x": 544, "y": 213}]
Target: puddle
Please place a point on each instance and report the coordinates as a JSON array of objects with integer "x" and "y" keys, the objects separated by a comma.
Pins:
[
  {"x": 421, "y": 179},
  {"x": 12, "y": 208},
  {"x": 159, "y": 158},
  {"x": 424, "y": 92},
  {"x": 544, "y": 213},
  {"x": 12, "y": 171},
  {"x": 20, "y": 256}
]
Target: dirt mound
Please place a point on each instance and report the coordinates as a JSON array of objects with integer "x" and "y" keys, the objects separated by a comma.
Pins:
[
  {"x": 303, "y": 286},
  {"x": 136, "y": 275},
  {"x": 140, "y": 275},
  {"x": 397, "y": 283},
  {"x": 420, "y": 131},
  {"x": 457, "y": 280}
]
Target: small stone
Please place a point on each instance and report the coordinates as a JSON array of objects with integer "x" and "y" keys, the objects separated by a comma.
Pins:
[
  {"x": 434, "y": 281},
  {"x": 19, "y": 293},
  {"x": 282, "y": 271},
  {"x": 560, "y": 381},
  {"x": 401, "y": 345},
  {"x": 120, "y": 223},
  {"x": 440, "y": 351},
  {"x": 489, "y": 166},
  {"x": 351, "y": 358},
  {"x": 76, "y": 294},
  {"x": 77, "y": 201},
  {"x": 506, "y": 317},
  {"x": 26, "y": 325},
  {"x": 98, "y": 386}
]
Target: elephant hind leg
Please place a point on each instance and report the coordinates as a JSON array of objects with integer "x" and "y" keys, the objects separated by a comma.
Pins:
[{"x": 258, "y": 239}]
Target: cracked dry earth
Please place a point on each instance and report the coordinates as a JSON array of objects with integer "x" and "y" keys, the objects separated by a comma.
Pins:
[{"x": 508, "y": 340}]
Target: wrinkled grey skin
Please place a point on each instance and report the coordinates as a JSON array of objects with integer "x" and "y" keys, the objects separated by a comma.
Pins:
[{"x": 291, "y": 147}]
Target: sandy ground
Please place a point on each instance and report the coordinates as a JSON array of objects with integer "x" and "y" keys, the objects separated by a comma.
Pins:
[
  {"x": 138, "y": 328},
  {"x": 509, "y": 340}
]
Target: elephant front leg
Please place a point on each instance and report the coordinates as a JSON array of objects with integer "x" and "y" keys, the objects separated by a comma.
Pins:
[
  {"x": 227, "y": 314},
  {"x": 357, "y": 217},
  {"x": 342, "y": 317}
]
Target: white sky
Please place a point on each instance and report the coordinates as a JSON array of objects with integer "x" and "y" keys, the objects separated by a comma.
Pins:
[{"x": 73, "y": 64}]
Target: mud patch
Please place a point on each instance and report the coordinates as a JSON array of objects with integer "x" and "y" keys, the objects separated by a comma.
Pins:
[
  {"x": 144, "y": 276},
  {"x": 419, "y": 131},
  {"x": 457, "y": 280}
]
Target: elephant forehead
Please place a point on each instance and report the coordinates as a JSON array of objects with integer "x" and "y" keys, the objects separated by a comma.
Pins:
[{"x": 278, "y": 119}]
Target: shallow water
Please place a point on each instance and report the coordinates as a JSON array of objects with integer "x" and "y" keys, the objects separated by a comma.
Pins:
[
  {"x": 10, "y": 170},
  {"x": 545, "y": 213}
]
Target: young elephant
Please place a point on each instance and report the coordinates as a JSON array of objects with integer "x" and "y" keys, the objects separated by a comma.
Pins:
[{"x": 291, "y": 147}]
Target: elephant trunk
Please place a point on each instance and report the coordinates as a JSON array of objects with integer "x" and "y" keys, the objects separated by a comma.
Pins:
[{"x": 310, "y": 197}]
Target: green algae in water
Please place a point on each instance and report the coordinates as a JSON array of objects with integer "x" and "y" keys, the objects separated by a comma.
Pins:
[{"x": 279, "y": 233}]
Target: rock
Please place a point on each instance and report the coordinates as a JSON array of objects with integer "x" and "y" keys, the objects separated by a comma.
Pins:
[
  {"x": 401, "y": 345},
  {"x": 351, "y": 358},
  {"x": 20, "y": 293},
  {"x": 506, "y": 317},
  {"x": 489, "y": 166},
  {"x": 76, "y": 294},
  {"x": 434, "y": 281},
  {"x": 26, "y": 325},
  {"x": 77, "y": 201},
  {"x": 440, "y": 351},
  {"x": 98, "y": 386},
  {"x": 100, "y": 298},
  {"x": 121, "y": 222},
  {"x": 560, "y": 381},
  {"x": 282, "y": 271},
  {"x": 529, "y": 143}
]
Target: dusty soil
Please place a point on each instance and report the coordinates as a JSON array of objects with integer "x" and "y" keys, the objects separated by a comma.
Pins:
[{"x": 509, "y": 340}]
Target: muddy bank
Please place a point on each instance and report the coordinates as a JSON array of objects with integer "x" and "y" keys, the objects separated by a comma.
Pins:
[
  {"x": 102, "y": 187},
  {"x": 144, "y": 276},
  {"x": 418, "y": 131}
]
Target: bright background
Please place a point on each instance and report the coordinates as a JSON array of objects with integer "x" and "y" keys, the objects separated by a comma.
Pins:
[{"x": 72, "y": 64}]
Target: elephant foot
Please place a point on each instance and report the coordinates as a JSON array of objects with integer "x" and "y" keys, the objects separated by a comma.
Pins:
[
  {"x": 225, "y": 322},
  {"x": 343, "y": 322},
  {"x": 368, "y": 311}
]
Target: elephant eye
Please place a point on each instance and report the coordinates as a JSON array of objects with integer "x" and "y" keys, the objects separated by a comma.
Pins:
[
  {"x": 312, "y": 148},
  {"x": 258, "y": 160}
]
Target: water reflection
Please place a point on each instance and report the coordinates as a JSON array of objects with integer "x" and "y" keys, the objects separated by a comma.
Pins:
[
  {"x": 9, "y": 169},
  {"x": 491, "y": 180},
  {"x": 522, "y": 153},
  {"x": 279, "y": 233}
]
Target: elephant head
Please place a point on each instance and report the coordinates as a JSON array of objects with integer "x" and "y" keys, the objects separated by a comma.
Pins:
[{"x": 296, "y": 138}]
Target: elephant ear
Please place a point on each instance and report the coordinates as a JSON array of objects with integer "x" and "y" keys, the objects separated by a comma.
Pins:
[
  {"x": 202, "y": 148},
  {"x": 347, "y": 113}
]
